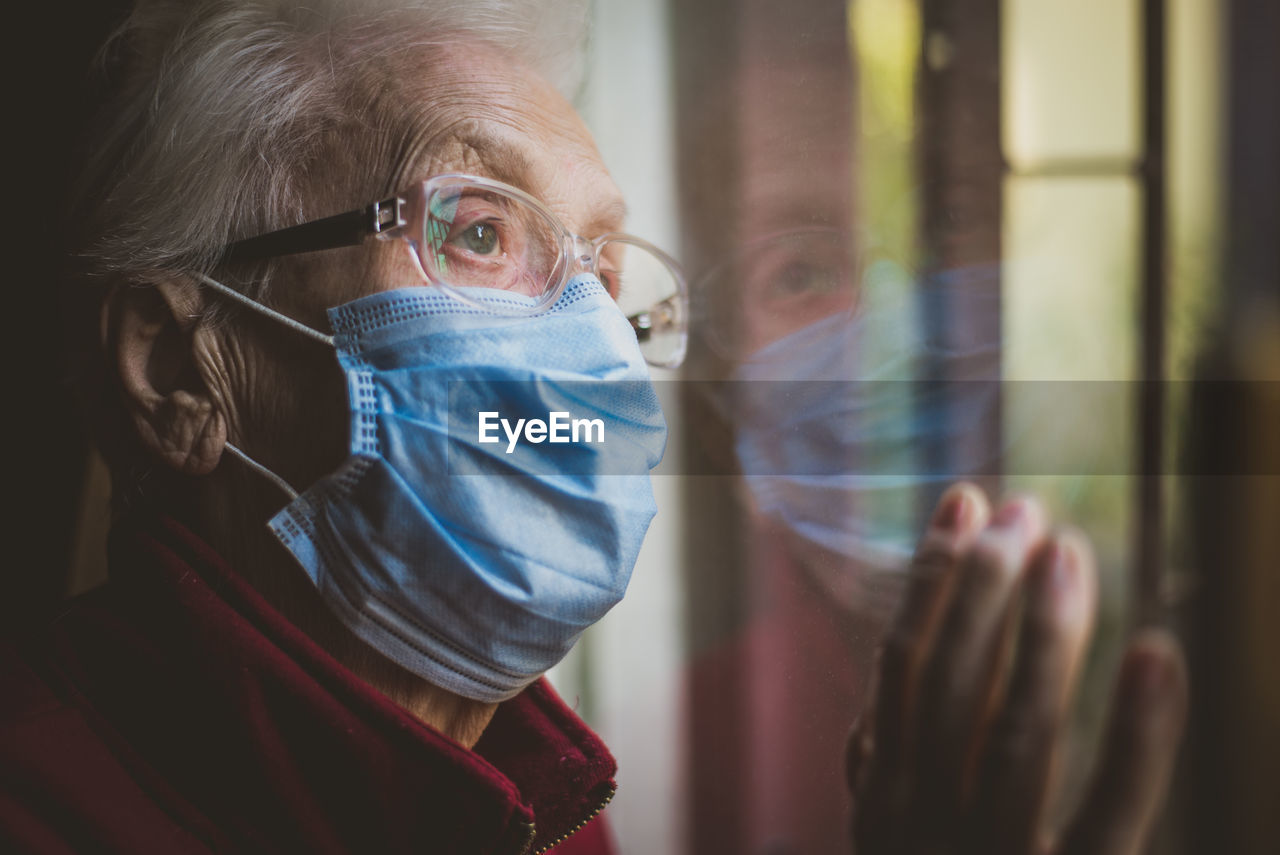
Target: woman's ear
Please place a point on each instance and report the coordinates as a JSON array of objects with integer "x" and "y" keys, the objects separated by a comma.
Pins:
[{"x": 148, "y": 332}]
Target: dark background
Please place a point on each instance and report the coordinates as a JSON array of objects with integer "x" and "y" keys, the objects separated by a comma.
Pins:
[{"x": 49, "y": 59}]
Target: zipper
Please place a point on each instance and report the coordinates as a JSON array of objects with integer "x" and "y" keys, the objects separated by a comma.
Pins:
[{"x": 562, "y": 838}]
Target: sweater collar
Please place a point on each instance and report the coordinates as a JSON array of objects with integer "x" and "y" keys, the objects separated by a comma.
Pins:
[{"x": 253, "y": 731}]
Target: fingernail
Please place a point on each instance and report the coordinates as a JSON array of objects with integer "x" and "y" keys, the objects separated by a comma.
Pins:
[
  {"x": 1149, "y": 677},
  {"x": 1153, "y": 677},
  {"x": 1013, "y": 512},
  {"x": 1154, "y": 682},
  {"x": 1057, "y": 584},
  {"x": 1063, "y": 568},
  {"x": 954, "y": 508}
]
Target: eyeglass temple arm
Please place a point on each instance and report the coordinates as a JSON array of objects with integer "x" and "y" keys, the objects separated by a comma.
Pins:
[{"x": 339, "y": 230}]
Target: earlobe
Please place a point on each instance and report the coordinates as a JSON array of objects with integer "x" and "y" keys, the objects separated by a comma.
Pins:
[{"x": 148, "y": 331}]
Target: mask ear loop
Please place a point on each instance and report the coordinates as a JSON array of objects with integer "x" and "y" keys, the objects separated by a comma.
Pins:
[
  {"x": 284, "y": 485},
  {"x": 254, "y": 305}
]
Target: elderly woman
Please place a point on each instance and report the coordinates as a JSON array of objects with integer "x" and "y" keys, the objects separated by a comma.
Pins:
[{"x": 332, "y": 596}]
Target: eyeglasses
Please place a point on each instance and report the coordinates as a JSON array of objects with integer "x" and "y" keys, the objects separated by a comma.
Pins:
[{"x": 466, "y": 232}]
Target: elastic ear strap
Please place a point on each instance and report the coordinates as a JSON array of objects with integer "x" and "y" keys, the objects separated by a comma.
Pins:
[
  {"x": 264, "y": 471},
  {"x": 289, "y": 322}
]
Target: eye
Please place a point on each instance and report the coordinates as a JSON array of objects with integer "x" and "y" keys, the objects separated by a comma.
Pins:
[
  {"x": 803, "y": 278},
  {"x": 480, "y": 238}
]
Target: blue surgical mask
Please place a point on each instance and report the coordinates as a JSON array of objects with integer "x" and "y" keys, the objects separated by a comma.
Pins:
[
  {"x": 836, "y": 433},
  {"x": 475, "y": 563}
]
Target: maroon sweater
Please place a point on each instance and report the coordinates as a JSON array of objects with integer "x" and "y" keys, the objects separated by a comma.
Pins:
[{"x": 175, "y": 711}]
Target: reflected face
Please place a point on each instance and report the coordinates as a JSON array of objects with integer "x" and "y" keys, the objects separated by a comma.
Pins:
[
  {"x": 773, "y": 202},
  {"x": 777, "y": 285}
]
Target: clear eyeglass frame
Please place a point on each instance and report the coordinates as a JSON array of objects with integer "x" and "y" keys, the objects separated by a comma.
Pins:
[{"x": 648, "y": 285}]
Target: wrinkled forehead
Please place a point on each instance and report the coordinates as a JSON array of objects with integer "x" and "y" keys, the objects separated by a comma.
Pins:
[{"x": 475, "y": 110}]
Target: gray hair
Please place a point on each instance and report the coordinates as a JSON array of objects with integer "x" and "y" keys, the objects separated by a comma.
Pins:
[
  {"x": 219, "y": 105},
  {"x": 217, "y": 116}
]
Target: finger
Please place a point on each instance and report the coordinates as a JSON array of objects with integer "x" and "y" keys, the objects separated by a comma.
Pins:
[
  {"x": 959, "y": 679},
  {"x": 1147, "y": 718},
  {"x": 1019, "y": 754},
  {"x": 961, "y": 514}
]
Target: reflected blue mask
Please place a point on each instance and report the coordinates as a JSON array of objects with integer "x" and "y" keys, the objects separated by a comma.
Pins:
[{"x": 838, "y": 428}]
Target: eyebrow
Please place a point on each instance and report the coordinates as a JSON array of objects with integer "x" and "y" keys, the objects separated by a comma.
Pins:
[
  {"x": 505, "y": 162},
  {"x": 508, "y": 164},
  {"x": 609, "y": 217}
]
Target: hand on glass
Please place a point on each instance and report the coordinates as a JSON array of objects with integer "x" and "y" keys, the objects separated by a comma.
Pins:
[{"x": 958, "y": 749}]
